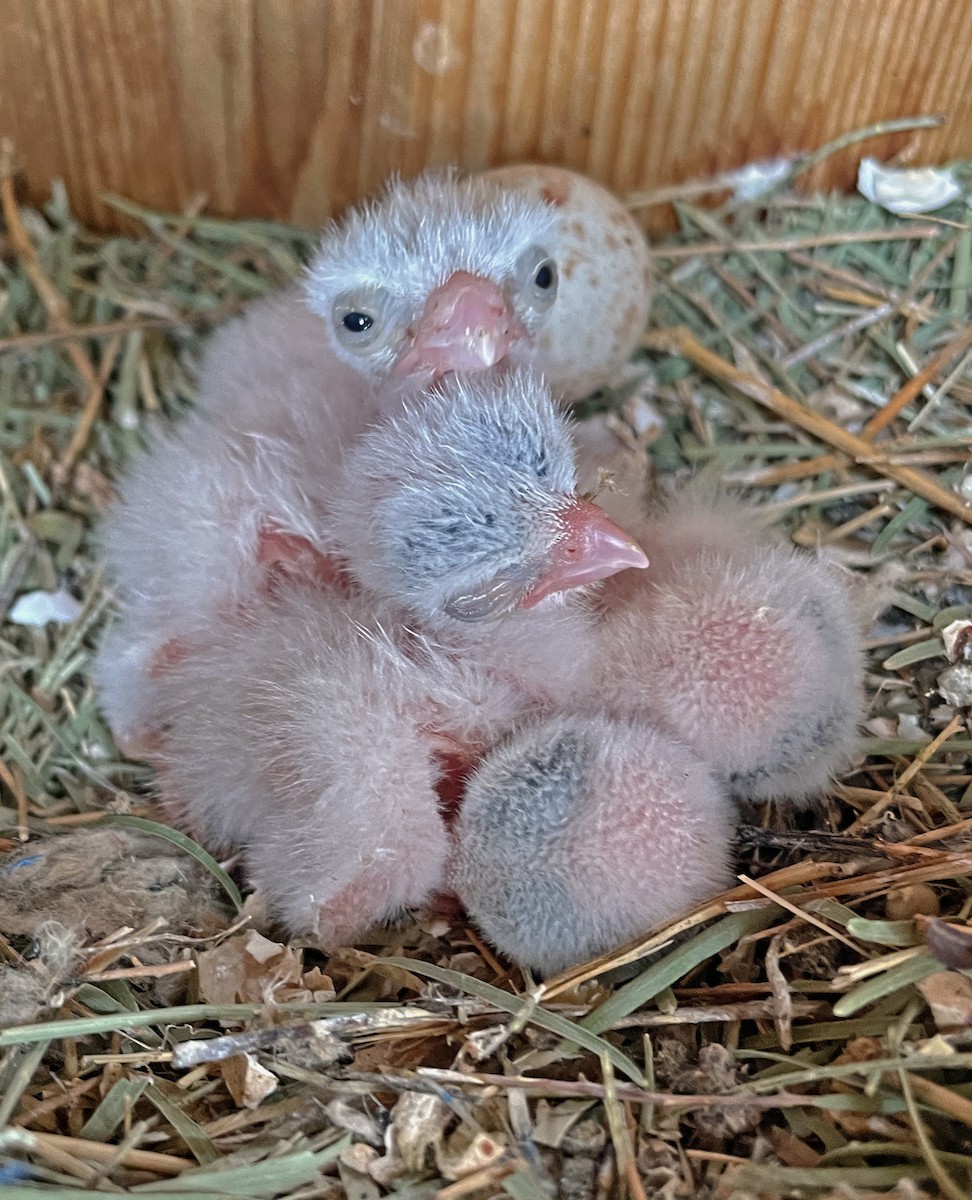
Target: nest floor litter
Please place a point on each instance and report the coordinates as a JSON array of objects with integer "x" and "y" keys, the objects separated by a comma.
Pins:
[{"x": 807, "y": 1034}]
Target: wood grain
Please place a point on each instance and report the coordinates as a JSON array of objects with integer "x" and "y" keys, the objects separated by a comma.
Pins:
[{"x": 292, "y": 109}]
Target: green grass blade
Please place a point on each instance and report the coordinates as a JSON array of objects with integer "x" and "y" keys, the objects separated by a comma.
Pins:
[{"x": 517, "y": 1006}]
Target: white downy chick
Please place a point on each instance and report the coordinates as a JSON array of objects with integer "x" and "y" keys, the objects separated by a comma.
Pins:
[
  {"x": 438, "y": 275},
  {"x": 314, "y": 727},
  {"x": 578, "y": 833},
  {"x": 744, "y": 647},
  {"x": 442, "y": 274}
]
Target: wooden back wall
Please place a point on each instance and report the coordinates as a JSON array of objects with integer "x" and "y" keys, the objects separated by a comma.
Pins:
[{"x": 293, "y": 108}]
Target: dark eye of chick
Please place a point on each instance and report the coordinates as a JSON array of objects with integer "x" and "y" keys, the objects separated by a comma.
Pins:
[
  {"x": 544, "y": 277},
  {"x": 357, "y": 322}
]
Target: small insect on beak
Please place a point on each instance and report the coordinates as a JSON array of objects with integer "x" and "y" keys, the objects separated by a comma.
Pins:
[
  {"x": 590, "y": 548},
  {"x": 467, "y": 325}
]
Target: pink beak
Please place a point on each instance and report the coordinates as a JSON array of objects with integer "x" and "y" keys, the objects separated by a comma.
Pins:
[
  {"x": 591, "y": 548},
  {"x": 467, "y": 325}
]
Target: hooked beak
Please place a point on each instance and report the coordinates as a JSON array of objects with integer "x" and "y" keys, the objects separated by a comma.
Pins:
[
  {"x": 591, "y": 547},
  {"x": 467, "y": 325}
]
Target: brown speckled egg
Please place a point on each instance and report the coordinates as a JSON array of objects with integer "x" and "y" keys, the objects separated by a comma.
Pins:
[{"x": 605, "y": 284}]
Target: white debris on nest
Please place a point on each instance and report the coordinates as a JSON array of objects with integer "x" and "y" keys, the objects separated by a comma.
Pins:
[
  {"x": 756, "y": 179},
  {"x": 958, "y": 640},
  {"x": 907, "y": 190},
  {"x": 955, "y": 682},
  {"x": 955, "y": 685},
  {"x": 41, "y": 608},
  {"x": 909, "y": 726}
]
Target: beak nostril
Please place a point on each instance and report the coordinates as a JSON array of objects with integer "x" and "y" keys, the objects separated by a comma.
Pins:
[{"x": 590, "y": 547}]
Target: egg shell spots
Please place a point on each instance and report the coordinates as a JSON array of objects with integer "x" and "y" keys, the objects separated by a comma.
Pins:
[{"x": 605, "y": 286}]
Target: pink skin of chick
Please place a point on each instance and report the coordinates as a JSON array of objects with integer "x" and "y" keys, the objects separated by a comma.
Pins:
[
  {"x": 315, "y": 730},
  {"x": 741, "y": 646}
]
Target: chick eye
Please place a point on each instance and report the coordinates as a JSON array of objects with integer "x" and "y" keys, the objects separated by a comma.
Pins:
[
  {"x": 357, "y": 322},
  {"x": 355, "y": 329},
  {"x": 537, "y": 275},
  {"x": 545, "y": 276},
  {"x": 492, "y": 598},
  {"x": 363, "y": 318}
]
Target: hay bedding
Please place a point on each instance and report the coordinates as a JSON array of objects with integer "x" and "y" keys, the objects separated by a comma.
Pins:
[{"x": 807, "y": 1034}]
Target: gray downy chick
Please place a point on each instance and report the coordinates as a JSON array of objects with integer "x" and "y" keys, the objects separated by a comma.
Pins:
[{"x": 579, "y": 833}]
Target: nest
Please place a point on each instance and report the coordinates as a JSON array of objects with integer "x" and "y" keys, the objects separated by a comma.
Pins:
[{"x": 807, "y": 1034}]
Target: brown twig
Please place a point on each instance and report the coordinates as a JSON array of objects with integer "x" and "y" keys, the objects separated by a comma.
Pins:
[
  {"x": 912, "y": 389},
  {"x": 580, "y": 1087},
  {"x": 100, "y": 1152},
  {"x": 936, "y": 835},
  {"x": 685, "y": 1014},
  {"x": 893, "y": 794},
  {"x": 70, "y": 1095},
  {"x": 679, "y": 341},
  {"x": 814, "y": 841},
  {"x": 145, "y": 971},
  {"x": 92, "y": 403},
  {"x": 11, "y": 777},
  {"x": 804, "y": 468},
  {"x": 46, "y": 1147},
  {"x": 942, "y": 1098},
  {"x": 24, "y": 343},
  {"x": 803, "y": 914}
]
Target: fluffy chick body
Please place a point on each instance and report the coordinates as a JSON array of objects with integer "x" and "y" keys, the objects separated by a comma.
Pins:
[
  {"x": 742, "y": 646},
  {"x": 260, "y": 452},
  {"x": 578, "y": 833}
]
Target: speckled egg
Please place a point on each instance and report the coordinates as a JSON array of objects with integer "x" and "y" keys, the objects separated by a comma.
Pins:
[{"x": 605, "y": 284}]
